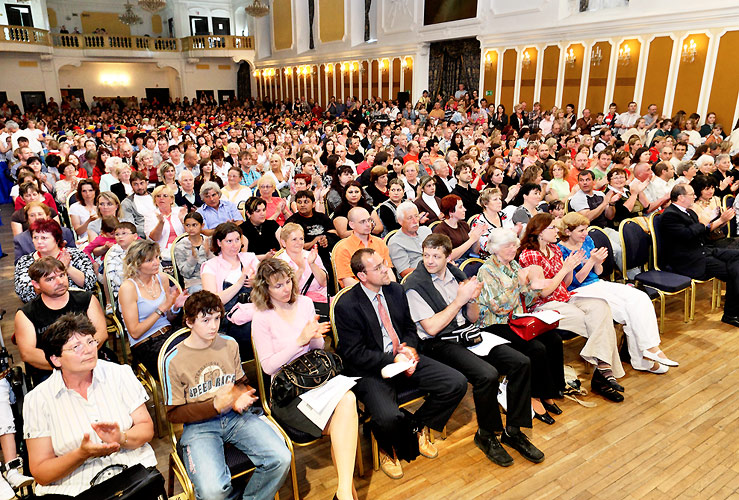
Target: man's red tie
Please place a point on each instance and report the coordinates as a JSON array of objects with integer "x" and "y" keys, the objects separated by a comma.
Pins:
[{"x": 385, "y": 317}]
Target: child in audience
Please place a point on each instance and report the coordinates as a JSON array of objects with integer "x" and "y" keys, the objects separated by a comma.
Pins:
[
  {"x": 98, "y": 247},
  {"x": 125, "y": 235}
]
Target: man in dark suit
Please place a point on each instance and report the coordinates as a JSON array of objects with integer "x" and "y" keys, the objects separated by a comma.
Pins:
[
  {"x": 683, "y": 241},
  {"x": 375, "y": 330}
]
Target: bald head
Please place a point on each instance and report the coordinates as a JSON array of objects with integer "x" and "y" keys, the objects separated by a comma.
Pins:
[{"x": 360, "y": 221}]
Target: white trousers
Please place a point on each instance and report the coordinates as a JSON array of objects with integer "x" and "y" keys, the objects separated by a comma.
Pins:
[
  {"x": 7, "y": 424},
  {"x": 633, "y": 309},
  {"x": 590, "y": 318}
]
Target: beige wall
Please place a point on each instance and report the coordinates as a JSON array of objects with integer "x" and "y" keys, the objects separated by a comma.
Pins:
[
  {"x": 282, "y": 24},
  {"x": 331, "y": 20}
]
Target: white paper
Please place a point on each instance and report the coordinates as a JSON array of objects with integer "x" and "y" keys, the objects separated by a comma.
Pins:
[
  {"x": 489, "y": 341},
  {"x": 393, "y": 369},
  {"x": 547, "y": 317},
  {"x": 319, "y": 404}
]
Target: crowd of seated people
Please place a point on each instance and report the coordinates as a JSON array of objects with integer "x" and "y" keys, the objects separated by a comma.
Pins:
[{"x": 246, "y": 202}]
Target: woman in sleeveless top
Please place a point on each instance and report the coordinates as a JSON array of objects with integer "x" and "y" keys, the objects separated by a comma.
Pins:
[{"x": 147, "y": 303}]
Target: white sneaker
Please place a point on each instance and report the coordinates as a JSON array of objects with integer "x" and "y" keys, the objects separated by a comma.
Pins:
[
  {"x": 16, "y": 479},
  {"x": 6, "y": 492}
]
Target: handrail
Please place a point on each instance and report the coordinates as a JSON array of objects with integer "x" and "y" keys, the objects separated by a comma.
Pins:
[{"x": 22, "y": 34}]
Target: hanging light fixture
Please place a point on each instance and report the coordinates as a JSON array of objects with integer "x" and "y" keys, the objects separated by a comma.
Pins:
[
  {"x": 152, "y": 6},
  {"x": 258, "y": 8},
  {"x": 129, "y": 17}
]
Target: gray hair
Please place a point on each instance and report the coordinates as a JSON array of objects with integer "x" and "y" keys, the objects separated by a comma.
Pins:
[
  {"x": 403, "y": 208},
  {"x": 500, "y": 237},
  {"x": 723, "y": 157},
  {"x": 439, "y": 161},
  {"x": 684, "y": 166},
  {"x": 11, "y": 125},
  {"x": 209, "y": 186},
  {"x": 145, "y": 153},
  {"x": 183, "y": 172}
]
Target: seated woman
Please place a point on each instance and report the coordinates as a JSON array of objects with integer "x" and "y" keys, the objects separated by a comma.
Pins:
[
  {"x": 48, "y": 242},
  {"x": 707, "y": 206},
  {"x": 342, "y": 176},
  {"x": 308, "y": 267},
  {"x": 23, "y": 242},
  {"x": 378, "y": 187},
  {"x": 221, "y": 412},
  {"x": 492, "y": 216},
  {"x": 234, "y": 191},
  {"x": 27, "y": 175},
  {"x": 229, "y": 275},
  {"x": 277, "y": 209},
  {"x": 558, "y": 188},
  {"x": 528, "y": 199},
  {"x": 164, "y": 225},
  {"x": 504, "y": 283},
  {"x": 166, "y": 176},
  {"x": 260, "y": 233},
  {"x": 29, "y": 193},
  {"x": 68, "y": 184},
  {"x": 108, "y": 205},
  {"x": 354, "y": 196},
  {"x": 113, "y": 167},
  {"x": 285, "y": 328},
  {"x": 147, "y": 303},
  {"x": 70, "y": 439},
  {"x": 122, "y": 188},
  {"x": 585, "y": 316},
  {"x": 84, "y": 210},
  {"x": 387, "y": 208},
  {"x": 626, "y": 197},
  {"x": 629, "y": 306},
  {"x": 428, "y": 202},
  {"x": 206, "y": 174},
  {"x": 191, "y": 253},
  {"x": 454, "y": 225}
]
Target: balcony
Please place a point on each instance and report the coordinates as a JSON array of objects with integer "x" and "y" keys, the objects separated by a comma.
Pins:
[{"x": 24, "y": 39}]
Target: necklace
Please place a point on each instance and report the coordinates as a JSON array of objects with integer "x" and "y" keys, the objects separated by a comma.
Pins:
[{"x": 149, "y": 289}]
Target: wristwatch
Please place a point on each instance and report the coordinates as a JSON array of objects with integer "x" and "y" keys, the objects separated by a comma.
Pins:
[{"x": 160, "y": 312}]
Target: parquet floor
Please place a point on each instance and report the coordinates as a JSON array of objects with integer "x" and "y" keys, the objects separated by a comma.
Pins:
[{"x": 675, "y": 436}]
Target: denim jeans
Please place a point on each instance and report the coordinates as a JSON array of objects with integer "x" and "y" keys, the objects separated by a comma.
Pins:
[{"x": 203, "y": 456}]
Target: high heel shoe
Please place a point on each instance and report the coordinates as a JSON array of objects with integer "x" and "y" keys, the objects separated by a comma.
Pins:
[
  {"x": 544, "y": 417},
  {"x": 657, "y": 356},
  {"x": 552, "y": 408}
]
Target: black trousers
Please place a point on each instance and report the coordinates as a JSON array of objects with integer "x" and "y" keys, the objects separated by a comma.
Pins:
[
  {"x": 546, "y": 356},
  {"x": 148, "y": 353},
  {"x": 444, "y": 385},
  {"x": 483, "y": 373},
  {"x": 723, "y": 263}
]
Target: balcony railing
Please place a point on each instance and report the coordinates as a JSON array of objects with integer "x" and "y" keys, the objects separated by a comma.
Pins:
[{"x": 21, "y": 34}]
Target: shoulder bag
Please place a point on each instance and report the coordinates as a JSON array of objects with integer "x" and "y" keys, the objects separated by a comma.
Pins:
[
  {"x": 311, "y": 370},
  {"x": 528, "y": 327}
]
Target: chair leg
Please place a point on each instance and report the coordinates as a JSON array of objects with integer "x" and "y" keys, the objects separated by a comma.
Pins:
[
  {"x": 360, "y": 463},
  {"x": 431, "y": 435},
  {"x": 687, "y": 305},
  {"x": 693, "y": 291},
  {"x": 294, "y": 474},
  {"x": 375, "y": 453},
  {"x": 443, "y": 433},
  {"x": 170, "y": 478},
  {"x": 661, "y": 313}
]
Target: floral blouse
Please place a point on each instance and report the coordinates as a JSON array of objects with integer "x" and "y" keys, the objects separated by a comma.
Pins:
[{"x": 501, "y": 292}]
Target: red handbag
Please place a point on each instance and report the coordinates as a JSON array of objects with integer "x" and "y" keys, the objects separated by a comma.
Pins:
[{"x": 528, "y": 327}]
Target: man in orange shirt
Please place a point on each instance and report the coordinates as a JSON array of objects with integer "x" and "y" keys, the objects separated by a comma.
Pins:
[
  {"x": 361, "y": 237},
  {"x": 580, "y": 165},
  {"x": 413, "y": 150}
]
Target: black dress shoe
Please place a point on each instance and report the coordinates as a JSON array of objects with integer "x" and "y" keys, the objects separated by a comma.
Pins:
[
  {"x": 519, "y": 442},
  {"x": 492, "y": 449},
  {"x": 552, "y": 408},
  {"x": 544, "y": 417},
  {"x": 610, "y": 381},
  {"x": 730, "y": 320},
  {"x": 600, "y": 385}
]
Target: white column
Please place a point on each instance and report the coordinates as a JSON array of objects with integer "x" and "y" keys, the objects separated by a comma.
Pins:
[
  {"x": 402, "y": 74},
  {"x": 612, "y": 70},
  {"x": 351, "y": 80},
  {"x": 560, "y": 75},
  {"x": 379, "y": 79},
  {"x": 641, "y": 70},
  {"x": 736, "y": 111},
  {"x": 539, "y": 72},
  {"x": 333, "y": 73},
  {"x": 517, "y": 79},
  {"x": 283, "y": 83},
  {"x": 481, "y": 83},
  {"x": 672, "y": 75},
  {"x": 498, "y": 78},
  {"x": 312, "y": 95},
  {"x": 585, "y": 76},
  {"x": 710, "y": 69},
  {"x": 369, "y": 79},
  {"x": 420, "y": 70},
  {"x": 391, "y": 60},
  {"x": 359, "y": 79}
]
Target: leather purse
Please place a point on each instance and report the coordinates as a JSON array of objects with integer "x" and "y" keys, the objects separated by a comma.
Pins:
[
  {"x": 311, "y": 370},
  {"x": 121, "y": 482},
  {"x": 528, "y": 327}
]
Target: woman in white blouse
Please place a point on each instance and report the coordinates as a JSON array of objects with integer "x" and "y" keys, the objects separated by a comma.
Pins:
[
  {"x": 308, "y": 267},
  {"x": 165, "y": 224}
]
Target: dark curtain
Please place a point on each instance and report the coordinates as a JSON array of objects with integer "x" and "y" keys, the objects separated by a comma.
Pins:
[
  {"x": 311, "y": 16},
  {"x": 453, "y": 62},
  {"x": 243, "y": 81},
  {"x": 367, "y": 5}
]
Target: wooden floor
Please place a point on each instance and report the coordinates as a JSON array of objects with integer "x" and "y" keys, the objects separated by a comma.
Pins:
[{"x": 675, "y": 436}]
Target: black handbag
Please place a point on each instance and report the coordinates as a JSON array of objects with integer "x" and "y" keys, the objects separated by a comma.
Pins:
[
  {"x": 120, "y": 482},
  {"x": 311, "y": 370}
]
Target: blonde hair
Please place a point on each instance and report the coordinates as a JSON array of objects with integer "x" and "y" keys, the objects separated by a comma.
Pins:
[
  {"x": 289, "y": 229},
  {"x": 139, "y": 252},
  {"x": 113, "y": 165},
  {"x": 160, "y": 189},
  {"x": 570, "y": 222},
  {"x": 164, "y": 166},
  {"x": 268, "y": 269}
]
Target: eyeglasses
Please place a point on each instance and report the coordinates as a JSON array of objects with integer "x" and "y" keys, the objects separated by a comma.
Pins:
[{"x": 77, "y": 348}]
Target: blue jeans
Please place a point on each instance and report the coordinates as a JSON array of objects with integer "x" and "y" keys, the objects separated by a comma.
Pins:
[{"x": 202, "y": 449}]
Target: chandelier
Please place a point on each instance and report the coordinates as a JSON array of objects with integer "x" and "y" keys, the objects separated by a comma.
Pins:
[
  {"x": 258, "y": 8},
  {"x": 129, "y": 17},
  {"x": 152, "y": 5}
]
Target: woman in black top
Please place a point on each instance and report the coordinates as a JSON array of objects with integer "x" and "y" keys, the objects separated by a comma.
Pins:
[
  {"x": 499, "y": 119},
  {"x": 261, "y": 233},
  {"x": 387, "y": 209},
  {"x": 377, "y": 188}
]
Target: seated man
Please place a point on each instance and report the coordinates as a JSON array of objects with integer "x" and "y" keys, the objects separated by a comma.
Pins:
[
  {"x": 405, "y": 245},
  {"x": 683, "y": 243},
  {"x": 660, "y": 185},
  {"x": 361, "y": 237},
  {"x": 442, "y": 300},
  {"x": 54, "y": 299},
  {"x": 205, "y": 389},
  {"x": 375, "y": 330},
  {"x": 215, "y": 210},
  {"x": 469, "y": 195},
  {"x": 138, "y": 204}
]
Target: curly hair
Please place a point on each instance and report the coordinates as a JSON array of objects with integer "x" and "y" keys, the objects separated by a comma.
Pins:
[{"x": 268, "y": 269}]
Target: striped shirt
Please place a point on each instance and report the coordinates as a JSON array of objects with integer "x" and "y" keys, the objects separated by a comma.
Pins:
[{"x": 52, "y": 410}]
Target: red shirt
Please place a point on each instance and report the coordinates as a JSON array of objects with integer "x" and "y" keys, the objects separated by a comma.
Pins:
[
  {"x": 410, "y": 157},
  {"x": 551, "y": 267}
]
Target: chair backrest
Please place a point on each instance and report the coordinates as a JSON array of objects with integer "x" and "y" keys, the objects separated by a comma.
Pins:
[
  {"x": 389, "y": 235},
  {"x": 471, "y": 219},
  {"x": 179, "y": 279},
  {"x": 470, "y": 266},
  {"x": 403, "y": 280},
  {"x": 635, "y": 243},
  {"x": 567, "y": 206},
  {"x": 164, "y": 353},
  {"x": 601, "y": 240},
  {"x": 331, "y": 314},
  {"x": 263, "y": 381},
  {"x": 728, "y": 201},
  {"x": 434, "y": 224},
  {"x": 654, "y": 226},
  {"x": 337, "y": 284},
  {"x": 71, "y": 200}
]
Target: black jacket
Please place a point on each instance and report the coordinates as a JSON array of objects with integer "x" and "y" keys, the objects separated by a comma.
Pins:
[{"x": 682, "y": 242}]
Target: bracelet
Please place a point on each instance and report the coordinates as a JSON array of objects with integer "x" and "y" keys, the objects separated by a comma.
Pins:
[
  {"x": 125, "y": 439},
  {"x": 175, "y": 311}
]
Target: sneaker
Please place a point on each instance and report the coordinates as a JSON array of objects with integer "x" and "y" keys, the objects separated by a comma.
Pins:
[
  {"x": 17, "y": 480},
  {"x": 519, "y": 442},
  {"x": 425, "y": 447},
  {"x": 6, "y": 492},
  {"x": 493, "y": 450},
  {"x": 390, "y": 466}
]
